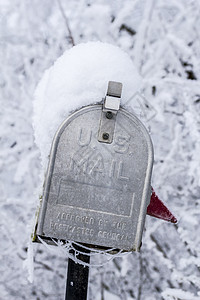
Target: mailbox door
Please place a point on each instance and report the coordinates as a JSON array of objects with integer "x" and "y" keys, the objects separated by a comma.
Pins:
[{"x": 97, "y": 193}]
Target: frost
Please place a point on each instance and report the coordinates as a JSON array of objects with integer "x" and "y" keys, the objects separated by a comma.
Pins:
[
  {"x": 98, "y": 257},
  {"x": 162, "y": 39},
  {"x": 176, "y": 294},
  {"x": 29, "y": 263}
]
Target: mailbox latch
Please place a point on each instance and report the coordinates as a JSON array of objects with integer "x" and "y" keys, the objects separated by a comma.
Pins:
[{"x": 109, "y": 112}]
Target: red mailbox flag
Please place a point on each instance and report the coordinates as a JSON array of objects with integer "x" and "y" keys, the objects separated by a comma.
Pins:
[{"x": 158, "y": 210}]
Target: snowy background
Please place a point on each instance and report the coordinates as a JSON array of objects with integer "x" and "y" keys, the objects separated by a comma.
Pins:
[{"x": 162, "y": 38}]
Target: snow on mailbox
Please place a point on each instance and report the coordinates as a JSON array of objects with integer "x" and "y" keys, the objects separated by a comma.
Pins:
[{"x": 98, "y": 183}]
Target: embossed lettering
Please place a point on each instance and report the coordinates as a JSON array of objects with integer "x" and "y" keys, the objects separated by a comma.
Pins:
[
  {"x": 84, "y": 137},
  {"x": 85, "y": 231},
  {"x": 120, "y": 171},
  {"x": 79, "y": 160},
  {"x": 96, "y": 164},
  {"x": 87, "y": 160},
  {"x": 72, "y": 229},
  {"x": 102, "y": 223},
  {"x": 112, "y": 236},
  {"x": 63, "y": 227},
  {"x": 75, "y": 218},
  {"x": 122, "y": 143},
  {"x": 119, "y": 225},
  {"x": 112, "y": 169}
]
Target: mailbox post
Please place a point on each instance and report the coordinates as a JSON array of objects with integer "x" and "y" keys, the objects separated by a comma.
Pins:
[
  {"x": 77, "y": 277},
  {"x": 98, "y": 183}
]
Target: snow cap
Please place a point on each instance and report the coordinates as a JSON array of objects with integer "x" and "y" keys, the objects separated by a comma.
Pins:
[{"x": 78, "y": 78}]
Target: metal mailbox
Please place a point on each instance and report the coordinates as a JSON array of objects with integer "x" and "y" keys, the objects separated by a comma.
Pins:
[{"x": 97, "y": 186}]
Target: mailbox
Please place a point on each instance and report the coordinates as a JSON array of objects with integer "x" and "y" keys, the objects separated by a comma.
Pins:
[{"x": 98, "y": 182}]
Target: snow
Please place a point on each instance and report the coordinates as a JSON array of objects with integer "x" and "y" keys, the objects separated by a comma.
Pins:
[{"x": 78, "y": 78}]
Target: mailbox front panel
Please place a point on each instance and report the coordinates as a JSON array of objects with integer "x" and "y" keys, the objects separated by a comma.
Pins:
[{"x": 97, "y": 193}]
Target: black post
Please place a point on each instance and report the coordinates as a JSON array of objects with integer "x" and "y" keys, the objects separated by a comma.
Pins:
[{"x": 77, "y": 277}]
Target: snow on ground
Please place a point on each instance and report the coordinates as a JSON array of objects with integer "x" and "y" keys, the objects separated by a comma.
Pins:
[{"x": 162, "y": 39}]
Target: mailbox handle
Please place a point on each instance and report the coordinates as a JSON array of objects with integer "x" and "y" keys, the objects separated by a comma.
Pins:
[
  {"x": 77, "y": 277},
  {"x": 109, "y": 112}
]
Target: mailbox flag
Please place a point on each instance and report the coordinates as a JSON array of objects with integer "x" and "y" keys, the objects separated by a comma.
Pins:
[{"x": 158, "y": 210}]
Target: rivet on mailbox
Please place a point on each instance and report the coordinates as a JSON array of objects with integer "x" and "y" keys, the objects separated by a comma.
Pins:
[{"x": 98, "y": 183}]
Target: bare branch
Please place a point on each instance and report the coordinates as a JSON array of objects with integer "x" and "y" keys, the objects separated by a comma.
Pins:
[{"x": 66, "y": 22}]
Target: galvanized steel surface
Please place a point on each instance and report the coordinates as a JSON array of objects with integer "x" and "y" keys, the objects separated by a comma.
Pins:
[{"x": 97, "y": 193}]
